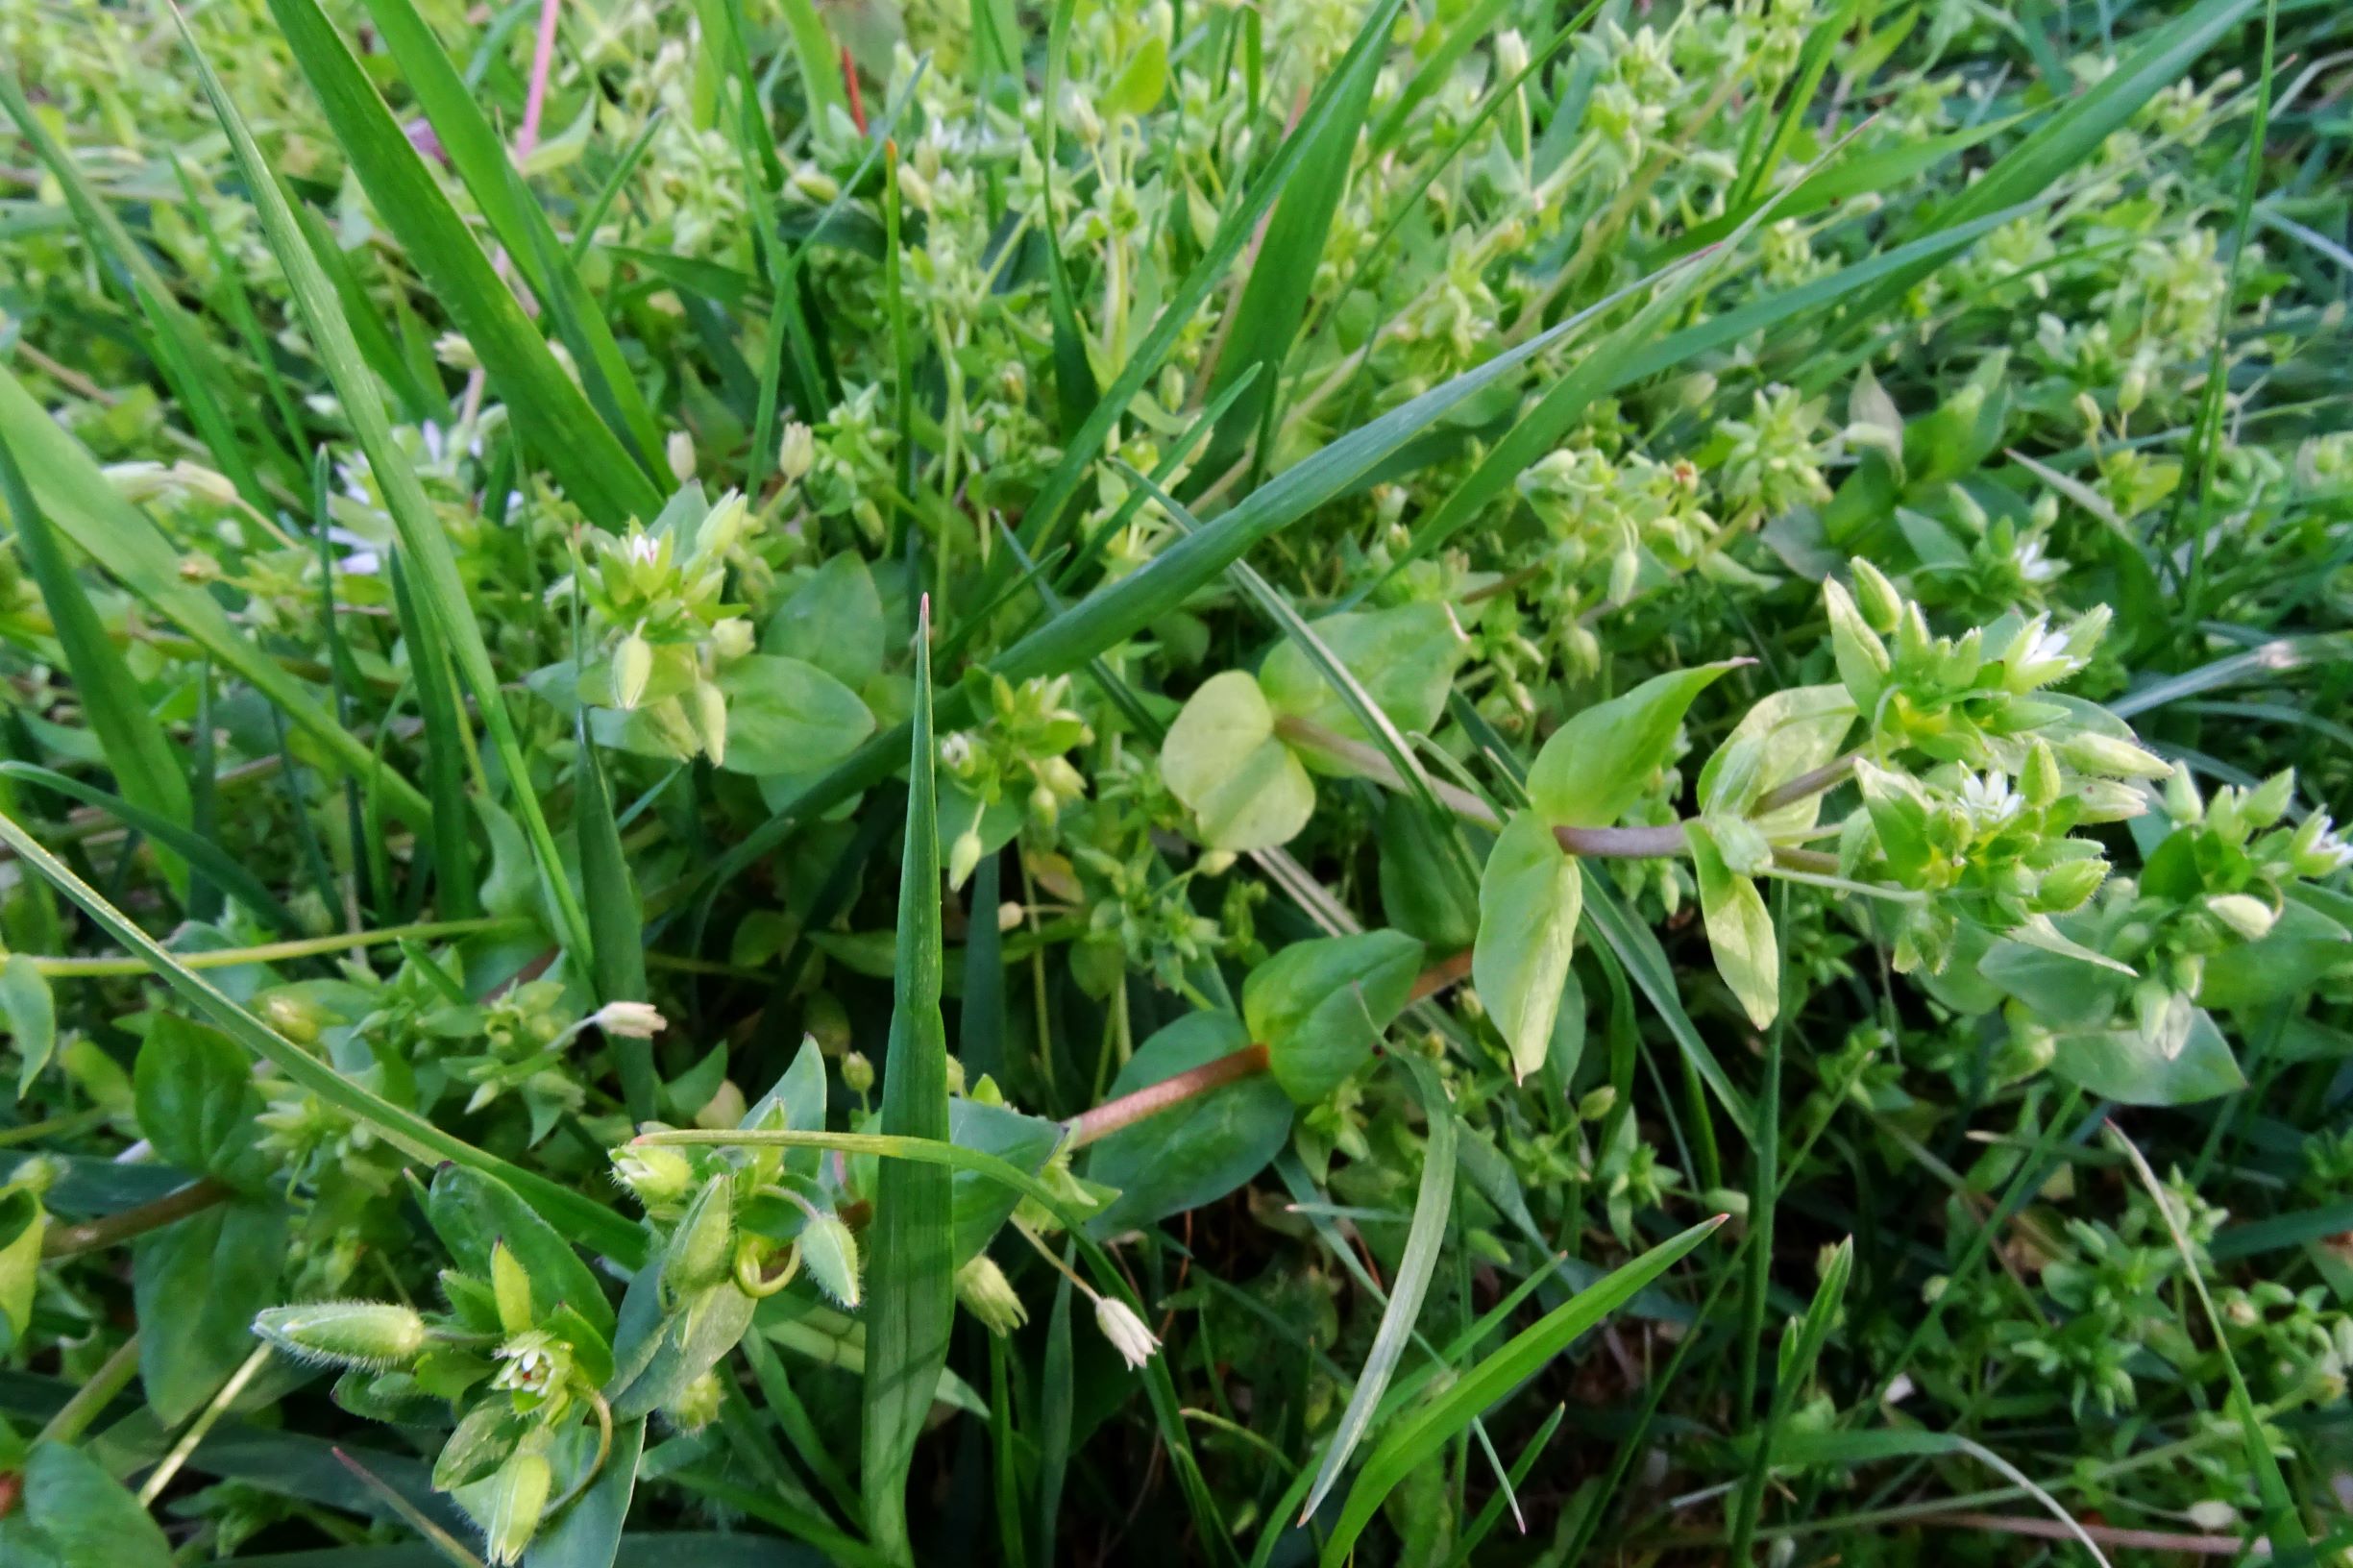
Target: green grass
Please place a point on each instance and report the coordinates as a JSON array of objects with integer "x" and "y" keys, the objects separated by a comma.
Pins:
[{"x": 626, "y": 769}]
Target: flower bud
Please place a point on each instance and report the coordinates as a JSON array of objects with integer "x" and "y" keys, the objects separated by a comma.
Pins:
[
  {"x": 2039, "y": 780},
  {"x": 1598, "y": 1103},
  {"x": 1510, "y": 53},
  {"x": 707, "y": 708},
  {"x": 2107, "y": 800},
  {"x": 797, "y": 452},
  {"x": 696, "y": 1405},
  {"x": 657, "y": 1174},
  {"x": 679, "y": 451},
  {"x": 731, "y": 639},
  {"x": 829, "y": 1252},
  {"x": 1862, "y": 658},
  {"x": 962, "y": 857},
  {"x": 2182, "y": 801},
  {"x": 300, "y": 1018},
  {"x": 1215, "y": 862},
  {"x": 701, "y": 1249},
  {"x": 2271, "y": 798},
  {"x": 857, "y": 1072},
  {"x": 1125, "y": 1331},
  {"x": 518, "y": 1498},
  {"x": 371, "y": 1333},
  {"x": 630, "y": 1021},
  {"x": 2249, "y": 916},
  {"x": 1876, "y": 597},
  {"x": 512, "y": 1288},
  {"x": 1009, "y": 914},
  {"x": 2112, "y": 756},
  {"x": 2067, "y": 884},
  {"x": 632, "y": 669},
  {"x": 989, "y": 1296}
]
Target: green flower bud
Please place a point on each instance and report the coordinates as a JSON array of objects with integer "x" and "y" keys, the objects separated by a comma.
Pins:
[
  {"x": 2039, "y": 780},
  {"x": 511, "y": 1288},
  {"x": 518, "y": 1498},
  {"x": 707, "y": 711},
  {"x": 829, "y": 1252},
  {"x": 702, "y": 1247},
  {"x": 2067, "y": 884},
  {"x": 632, "y": 669},
  {"x": 2249, "y": 916},
  {"x": 1598, "y": 1103},
  {"x": 2182, "y": 801},
  {"x": 2112, "y": 756},
  {"x": 962, "y": 857},
  {"x": 796, "y": 453},
  {"x": 857, "y": 1072},
  {"x": 2107, "y": 800},
  {"x": 374, "y": 1334},
  {"x": 1862, "y": 658},
  {"x": 298, "y": 1017},
  {"x": 696, "y": 1405},
  {"x": 2271, "y": 798},
  {"x": 989, "y": 1296},
  {"x": 1876, "y": 597},
  {"x": 657, "y": 1174},
  {"x": 678, "y": 450}
]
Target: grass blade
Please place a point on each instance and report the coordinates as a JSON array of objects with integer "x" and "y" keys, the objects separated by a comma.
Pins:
[
  {"x": 911, "y": 1262},
  {"x": 225, "y": 871},
  {"x": 137, "y": 750},
  {"x": 76, "y": 497},
  {"x": 551, "y": 414},
  {"x": 1423, "y": 1238},
  {"x": 590, "y": 1224},
  {"x": 1424, "y": 1433},
  {"x": 616, "y": 920},
  {"x": 2281, "y": 1522},
  {"x": 441, "y": 592},
  {"x": 481, "y": 158}
]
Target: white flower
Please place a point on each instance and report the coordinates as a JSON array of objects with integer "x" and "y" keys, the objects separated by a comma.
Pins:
[
  {"x": 2031, "y": 563},
  {"x": 1125, "y": 1331},
  {"x": 642, "y": 548},
  {"x": 632, "y": 1021},
  {"x": 1990, "y": 801}
]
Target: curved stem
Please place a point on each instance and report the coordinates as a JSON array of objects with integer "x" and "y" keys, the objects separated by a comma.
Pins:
[{"x": 66, "y": 1241}]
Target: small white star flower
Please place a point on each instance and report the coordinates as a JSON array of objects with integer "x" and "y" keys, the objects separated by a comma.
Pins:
[{"x": 1125, "y": 1331}]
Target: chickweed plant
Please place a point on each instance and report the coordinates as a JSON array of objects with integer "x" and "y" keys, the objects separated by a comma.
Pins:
[{"x": 1198, "y": 781}]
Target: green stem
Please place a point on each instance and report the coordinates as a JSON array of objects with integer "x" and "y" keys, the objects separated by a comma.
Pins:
[
  {"x": 279, "y": 952},
  {"x": 78, "y": 1413}
]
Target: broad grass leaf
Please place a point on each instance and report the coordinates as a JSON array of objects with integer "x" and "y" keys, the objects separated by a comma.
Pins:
[
  {"x": 911, "y": 1243},
  {"x": 1530, "y": 900}
]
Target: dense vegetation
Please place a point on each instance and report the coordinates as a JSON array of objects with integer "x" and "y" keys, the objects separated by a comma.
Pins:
[{"x": 1425, "y": 780}]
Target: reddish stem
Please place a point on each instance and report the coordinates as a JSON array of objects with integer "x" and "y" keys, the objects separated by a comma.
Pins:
[{"x": 1151, "y": 1100}]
